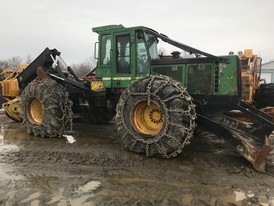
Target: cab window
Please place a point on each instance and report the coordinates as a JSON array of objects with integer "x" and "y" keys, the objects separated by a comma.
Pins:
[
  {"x": 123, "y": 54},
  {"x": 142, "y": 56},
  {"x": 146, "y": 50},
  {"x": 105, "y": 50}
]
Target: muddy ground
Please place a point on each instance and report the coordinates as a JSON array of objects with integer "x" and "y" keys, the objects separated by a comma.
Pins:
[{"x": 90, "y": 167}]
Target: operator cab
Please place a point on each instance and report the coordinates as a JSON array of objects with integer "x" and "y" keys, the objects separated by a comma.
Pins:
[{"x": 125, "y": 54}]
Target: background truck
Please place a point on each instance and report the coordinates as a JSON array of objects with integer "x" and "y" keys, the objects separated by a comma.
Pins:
[{"x": 157, "y": 100}]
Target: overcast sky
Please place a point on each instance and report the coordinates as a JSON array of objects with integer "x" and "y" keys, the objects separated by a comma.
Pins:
[{"x": 213, "y": 26}]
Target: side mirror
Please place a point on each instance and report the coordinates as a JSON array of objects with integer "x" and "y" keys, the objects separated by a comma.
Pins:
[{"x": 96, "y": 50}]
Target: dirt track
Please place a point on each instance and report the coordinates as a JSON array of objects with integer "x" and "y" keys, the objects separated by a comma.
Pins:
[{"x": 90, "y": 167}]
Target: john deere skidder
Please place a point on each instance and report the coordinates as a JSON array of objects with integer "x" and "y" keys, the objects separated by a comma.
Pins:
[{"x": 159, "y": 99}]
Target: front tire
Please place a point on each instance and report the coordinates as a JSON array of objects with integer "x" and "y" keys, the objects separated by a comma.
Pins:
[
  {"x": 46, "y": 109},
  {"x": 155, "y": 116}
]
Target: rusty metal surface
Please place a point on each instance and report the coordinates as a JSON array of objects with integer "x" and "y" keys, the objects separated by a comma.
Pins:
[
  {"x": 41, "y": 73},
  {"x": 259, "y": 163},
  {"x": 255, "y": 154},
  {"x": 245, "y": 137},
  {"x": 269, "y": 111}
]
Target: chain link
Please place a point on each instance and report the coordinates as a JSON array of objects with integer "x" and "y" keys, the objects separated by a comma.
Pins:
[
  {"x": 64, "y": 105},
  {"x": 190, "y": 112}
]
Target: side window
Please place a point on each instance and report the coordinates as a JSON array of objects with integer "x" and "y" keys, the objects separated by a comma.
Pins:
[
  {"x": 142, "y": 56},
  {"x": 105, "y": 50},
  {"x": 123, "y": 54}
]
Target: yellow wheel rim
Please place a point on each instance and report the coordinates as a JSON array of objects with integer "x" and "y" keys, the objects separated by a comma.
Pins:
[
  {"x": 147, "y": 119},
  {"x": 36, "y": 111}
]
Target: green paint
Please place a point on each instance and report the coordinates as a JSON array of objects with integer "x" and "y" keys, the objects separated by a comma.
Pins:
[{"x": 128, "y": 53}]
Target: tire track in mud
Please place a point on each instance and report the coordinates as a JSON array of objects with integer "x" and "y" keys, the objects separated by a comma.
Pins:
[
  {"x": 51, "y": 171},
  {"x": 127, "y": 179},
  {"x": 99, "y": 155}
]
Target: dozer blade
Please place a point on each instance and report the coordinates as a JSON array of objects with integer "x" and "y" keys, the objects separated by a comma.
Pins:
[
  {"x": 248, "y": 148},
  {"x": 241, "y": 136},
  {"x": 235, "y": 114}
]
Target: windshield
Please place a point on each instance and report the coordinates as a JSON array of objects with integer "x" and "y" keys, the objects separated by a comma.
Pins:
[
  {"x": 151, "y": 42},
  {"x": 146, "y": 50}
]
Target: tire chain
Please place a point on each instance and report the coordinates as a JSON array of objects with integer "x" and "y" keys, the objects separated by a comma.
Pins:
[
  {"x": 65, "y": 106},
  {"x": 183, "y": 94}
]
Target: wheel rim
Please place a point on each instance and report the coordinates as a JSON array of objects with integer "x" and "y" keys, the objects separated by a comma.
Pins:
[
  {"x": 147, "y": 119},
  {"x": 36, "y": 111}
]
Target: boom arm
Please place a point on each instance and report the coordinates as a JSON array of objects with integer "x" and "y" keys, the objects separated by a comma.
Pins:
[
  {"x": 47, "y": 60},
  {"x": 183, "y": 46},
  {"x": 44, "y": 59}
]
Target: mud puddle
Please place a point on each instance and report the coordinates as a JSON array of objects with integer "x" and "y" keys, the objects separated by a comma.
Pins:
[{"x": 88, "y": 166}]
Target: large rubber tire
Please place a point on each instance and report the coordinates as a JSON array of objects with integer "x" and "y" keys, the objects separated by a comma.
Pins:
[
  {"x": 156, "y": 116},
  {"x": 46, "y": 109},
  {"x": 264, "y": 96}
]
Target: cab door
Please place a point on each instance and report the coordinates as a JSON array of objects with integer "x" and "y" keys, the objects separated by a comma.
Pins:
[{"x": 123, "y": 68}]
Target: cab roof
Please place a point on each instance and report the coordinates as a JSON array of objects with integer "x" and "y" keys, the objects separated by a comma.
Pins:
[{"x": 114, "y": 27}]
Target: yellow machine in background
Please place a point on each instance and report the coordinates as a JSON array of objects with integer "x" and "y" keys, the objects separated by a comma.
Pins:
[
  {"x": 254, "y": 93},
  {"x": 10, "y": 92},
  {"x": 251, "y": 73},
  {"x": 10, "y": 87},
  {"x": 4, "y": 73}
]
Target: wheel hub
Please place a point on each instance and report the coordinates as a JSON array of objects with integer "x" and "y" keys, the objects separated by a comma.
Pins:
[
  {"x": 35, "y": 111},
  {"x": 156, "y": 116},
  {"x": 147, "y": 119}
]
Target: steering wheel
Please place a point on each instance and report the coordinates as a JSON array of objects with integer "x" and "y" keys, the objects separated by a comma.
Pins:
[{"x": 144, "y": 57}]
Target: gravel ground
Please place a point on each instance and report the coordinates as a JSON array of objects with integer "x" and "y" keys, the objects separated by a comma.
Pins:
[{"x": 90, "y": 167}]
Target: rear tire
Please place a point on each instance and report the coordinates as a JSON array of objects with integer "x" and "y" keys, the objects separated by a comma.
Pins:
[
  {"x": 155, "y": 116},
  {"x": 265, "y": 95},
  {"x": 46, "y": 109}
]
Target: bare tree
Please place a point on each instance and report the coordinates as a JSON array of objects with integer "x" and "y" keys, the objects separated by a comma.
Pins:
[
  {"x": 81, "y": 69},
  {"x": 3, "y": 64},
  {"x": 162, "y": 51},
  {"x": 14, "y": 62},
  {"x": 10, "y": 63},
  {"x": 28, "y": 59}
]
